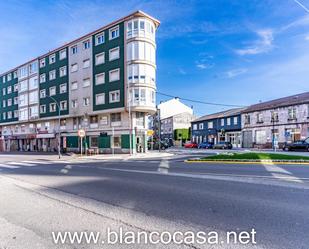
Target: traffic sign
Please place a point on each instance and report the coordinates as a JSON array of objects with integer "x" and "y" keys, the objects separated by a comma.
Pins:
[{"x": 81, "y": 133}]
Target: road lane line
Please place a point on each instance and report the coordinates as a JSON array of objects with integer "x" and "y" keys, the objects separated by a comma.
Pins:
[{"x": 21, "y": 163}]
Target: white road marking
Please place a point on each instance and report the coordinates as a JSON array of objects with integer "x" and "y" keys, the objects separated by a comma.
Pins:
[
  {"x": 163, "y": 167},
  {"x": 64, "y": 171},
  {"x": 21, "y": 163},
  {"x": 9, "y": 166},
  {"x": 37, "y": 162},
  {"x": 281, "y": 173}
]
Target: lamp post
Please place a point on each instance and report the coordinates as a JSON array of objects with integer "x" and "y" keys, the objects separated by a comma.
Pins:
[
  {"x": 59, "y": 133},
  {"x": 130, "y": 119}
]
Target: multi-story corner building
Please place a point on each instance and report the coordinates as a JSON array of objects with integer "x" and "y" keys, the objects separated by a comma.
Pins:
[
  {"x": 103, "y": 82},
  {"x": 173, "y": 114},
  {"x": 218, "y": 127},
  {"x": 282, "y": 120}
]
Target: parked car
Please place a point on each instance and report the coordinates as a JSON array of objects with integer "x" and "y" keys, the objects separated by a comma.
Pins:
[
  {"x": 297, "y": 145},
  {"x": 190, "y": 145},
  {"x": 163, "y": 145},
  {"x": 205, "y": 145},
  {"x": 223, "y": 145}
]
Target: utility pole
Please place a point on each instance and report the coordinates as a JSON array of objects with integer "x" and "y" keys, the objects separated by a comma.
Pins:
[{"x": 130, "y": 120}]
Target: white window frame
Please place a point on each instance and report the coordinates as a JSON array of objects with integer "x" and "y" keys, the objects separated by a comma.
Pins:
[
  {"x": 74, "y": 103},
  {"x": 52, "y": 72},
  {"x": 112, "y": 50},
  {"x": 42, "y": 93},
  {"x": 42, "y": 78},
  {"x": 62, "y": 54},
  {"x": 50, "y": 107},
  {"x": 86, "y": 60},
  {"x": 84, "y": 103},
  {"x": 73, "y": 66},
  {"x": 96, "y": 38},
  {"x": 63, "y": 71},
  {"x": 111, "y": 71},
  {"x": 61, "y": 86},
  {"x": 111, "y": 31},
  {"x": 65, "y": 105},
  {"x": 87, "y": 80},
  {"x": 74, "y": 49},
  {"x": 41, "y": 107},
  {"x": 100, "y": 95},
  {"x": 74, "y": 83},
  {"x": 96, "y": 79},
  {"x": 52, "y": 88},
  {"x": 52, "y": 58},
  {"x": 86, "y": 42},
  {"x": 96, "y": 58},
  {"x": 110, "y": 96}
]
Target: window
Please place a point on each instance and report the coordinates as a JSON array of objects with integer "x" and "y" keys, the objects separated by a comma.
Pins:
[
  {"x": 43, "y": 93},
  {"x": 23, "y": 72},
  {"x": 99, "y": 58},
  {"x": 116, "y": 142},
  {"x": 114, "y": 96},
  {"x": 63, "y": 54},
  {"x": 116, "y": 117},
  {"x": 74, "y": 49},
  {"x": 292, "y": 113},
  {"x": 43, "y": 78},
  {"x": 74, "y": 67},
  {"x": 86, "y": 44},
  {"x": 201, "y": 126},
  {"x": 42, "y": 108},
  {"x": 52, "y": 75},
  {"x": 194, "y": 127},
  {"x": 93, "y": 141},
  {"x": 15, "y": 74},
  {"x": 247, "y": 119},
  {"x": 63, "y": 88},
  {"x": 9, "y": 76},
  {"x": 22, "y": 100},
  {"x": 9, "y": 89},
  {"x": 63, "y": 71},
  {"x": 34, "y": 111},
  {"x": 114, "y": 33},
  {"x": 74, "y": 85},
  {"x": 9, "y": 102},
  {"x": 16, "y": 88},
  {"x": 4, "y": 79},
  {"x": 4, "y": 116},
  {"x": 33, "y": 83},
  {"x": 210, "y": 125},
  {"x": 42, "y": 63},
  {"x": 16, "y": 114},
  {"x": 100, "y": 99},
  {"x": 235, "y": 121},
  {"x": 222, "y": 121},
  {"x": 33, "y": 97},
  {"x": 74, "y": 103},
  {"x": 274, "y": 116},
  {"x": 23, "y": 86},
  {"x": 100, "y": 78},
  {"x": 15, "y": 100},
  {"x": 86, "y": 63},
  {"x": 52, "y": 107},
  {"x": 114, "y": 75},
  {"x": 86, "y": 101},
  {"x": 114, "y": 54},
  {"x": 63, "y": 122},
  {"x": 259, "y": 118},
  {"x": 3, "y": 91},
  {"x": 52, "y": 91},
  {"x": 63, "y": 105},
  {"x": 86, "y": 82},
  {"x": 228, "y": 121},
  {"x": 52, "y": 58},
  {"x": 33, "y": 67},
  {"x": 99, "y": 39}
]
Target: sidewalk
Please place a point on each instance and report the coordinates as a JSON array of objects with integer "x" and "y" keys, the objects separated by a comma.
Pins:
[{"x": 148, "y": 155}]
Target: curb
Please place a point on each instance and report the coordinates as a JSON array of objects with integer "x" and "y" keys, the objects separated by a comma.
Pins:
[{"x": 249, "y": 162}]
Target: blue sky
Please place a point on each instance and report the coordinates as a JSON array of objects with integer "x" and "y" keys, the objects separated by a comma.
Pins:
[{"x": 224, "y": 51}]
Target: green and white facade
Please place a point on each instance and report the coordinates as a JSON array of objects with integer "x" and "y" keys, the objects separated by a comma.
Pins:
[{"x": 103, "y": 82}]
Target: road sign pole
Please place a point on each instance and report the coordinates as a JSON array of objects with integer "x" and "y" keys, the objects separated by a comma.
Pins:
[{"x": 81, "y": 146}]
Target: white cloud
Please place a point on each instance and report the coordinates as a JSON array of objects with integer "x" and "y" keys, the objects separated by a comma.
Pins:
[
  {"x": 235, "y": 72},
  {"x": 262, "y": 45},
  {"x": 182, "y": 71}
]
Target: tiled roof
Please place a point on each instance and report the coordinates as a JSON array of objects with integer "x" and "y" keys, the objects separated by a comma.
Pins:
[
  {"x": 301, "y": 98},
  {"x": 226, "y": 113}
]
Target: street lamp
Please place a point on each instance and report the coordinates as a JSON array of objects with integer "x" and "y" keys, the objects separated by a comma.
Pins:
[{"x": 59, "y": 133}]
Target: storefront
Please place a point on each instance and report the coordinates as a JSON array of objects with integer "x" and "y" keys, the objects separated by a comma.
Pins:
[{"x": 46, "y": 142}]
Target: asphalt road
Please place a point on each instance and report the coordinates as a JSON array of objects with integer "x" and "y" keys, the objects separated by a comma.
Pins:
[{"x": 39, "y": 197}]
